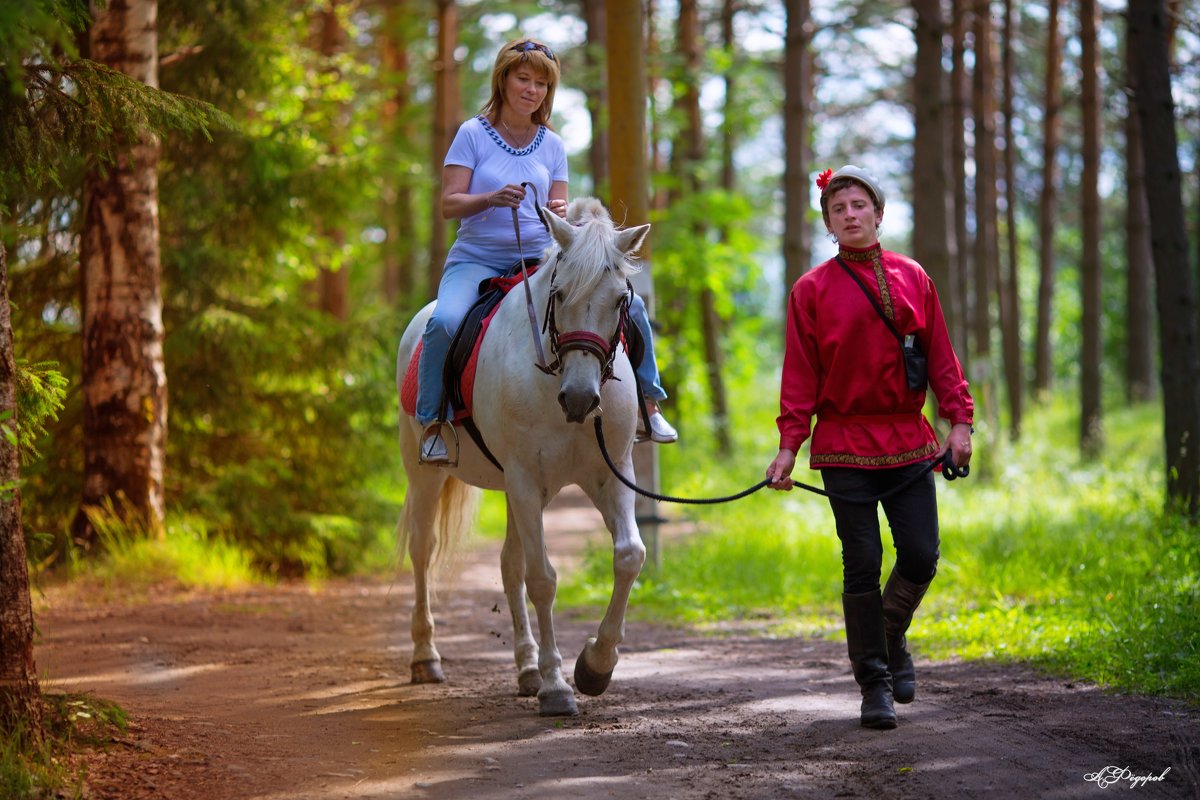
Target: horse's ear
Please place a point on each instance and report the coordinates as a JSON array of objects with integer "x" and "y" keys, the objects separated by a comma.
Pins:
[
  {"x": 630, "y": 240},
  {"x": 562, "y": 231}
]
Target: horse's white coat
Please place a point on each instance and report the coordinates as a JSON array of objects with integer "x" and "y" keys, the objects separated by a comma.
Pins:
[{"x": 522, "y": 414}]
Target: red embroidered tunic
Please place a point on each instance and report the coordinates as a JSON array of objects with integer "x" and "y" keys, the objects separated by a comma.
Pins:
[{"x": 843, "y": 366}]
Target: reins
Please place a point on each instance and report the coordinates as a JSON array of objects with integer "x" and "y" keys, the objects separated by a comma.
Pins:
[
  {"x": 949, "y": 472},
  {"x": 533, "y": 323}
]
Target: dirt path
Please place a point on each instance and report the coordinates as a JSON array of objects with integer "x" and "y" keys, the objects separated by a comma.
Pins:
[{"x": 286, "y": 693}]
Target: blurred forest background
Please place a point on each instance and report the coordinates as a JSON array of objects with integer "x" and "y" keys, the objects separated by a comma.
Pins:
[{"x": 204, "y": 325}]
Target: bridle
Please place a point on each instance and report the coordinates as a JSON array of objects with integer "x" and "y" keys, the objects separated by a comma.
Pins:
[{"x": 605, "y": 350}]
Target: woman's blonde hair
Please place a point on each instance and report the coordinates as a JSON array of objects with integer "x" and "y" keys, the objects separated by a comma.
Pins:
[{"x": 535, "y": 54}]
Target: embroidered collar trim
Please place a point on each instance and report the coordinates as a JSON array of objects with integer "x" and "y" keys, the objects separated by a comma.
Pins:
[{"x": 508, "y": 148}]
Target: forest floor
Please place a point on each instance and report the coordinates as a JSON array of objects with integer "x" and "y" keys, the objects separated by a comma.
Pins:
[{"x": 291, "y": 692}]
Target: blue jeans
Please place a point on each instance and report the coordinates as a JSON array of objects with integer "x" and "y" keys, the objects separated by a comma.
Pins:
[{"x": 457, "y": 292}]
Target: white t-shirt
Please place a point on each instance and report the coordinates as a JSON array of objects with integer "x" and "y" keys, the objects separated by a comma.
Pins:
[{"x": 488, "y": 237}]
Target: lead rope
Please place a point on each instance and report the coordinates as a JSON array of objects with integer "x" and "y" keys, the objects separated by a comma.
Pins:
[
  {"x": 533, "y": 323},
  {"x": 950, "y": 472}
]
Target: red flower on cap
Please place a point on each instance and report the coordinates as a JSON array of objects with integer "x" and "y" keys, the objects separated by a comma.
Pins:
[{"x": 823, "y": 179}]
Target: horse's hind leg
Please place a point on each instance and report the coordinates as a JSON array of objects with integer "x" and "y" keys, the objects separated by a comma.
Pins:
[
  {"x": 598, "y": 659},
  {"x": 425, "y": 485},
  {"x": 525, "y": 649}
]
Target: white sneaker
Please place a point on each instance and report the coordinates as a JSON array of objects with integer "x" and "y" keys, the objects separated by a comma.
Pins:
[
  {"x": 433, "y": 448},
  {"x": 660, "y": 430}
]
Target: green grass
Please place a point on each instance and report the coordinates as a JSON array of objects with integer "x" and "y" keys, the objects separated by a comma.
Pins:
[
  {"x": 49, "y": 765},
  {"x": 185, "y": 556},
  {"x": 1067, "y": 565}
]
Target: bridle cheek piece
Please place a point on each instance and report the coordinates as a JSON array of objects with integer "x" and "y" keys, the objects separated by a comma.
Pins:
[{"x": 605, "y": 350}]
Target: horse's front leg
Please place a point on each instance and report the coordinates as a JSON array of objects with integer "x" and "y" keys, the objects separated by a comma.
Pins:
[
  {"x": 598, "y": 659},
  {"x": 524, "y": 494},
  {"x": 525, "y": 649}
]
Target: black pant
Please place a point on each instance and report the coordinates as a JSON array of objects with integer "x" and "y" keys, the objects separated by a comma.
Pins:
[{"x": 911, "y": 514}]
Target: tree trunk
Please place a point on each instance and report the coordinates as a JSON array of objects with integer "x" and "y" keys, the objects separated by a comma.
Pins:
[
  {"x": 399, "y": 266},
  {"x": 1140, "y": 382},
  {"x": 124, "y": 385},
  {"x": 932, "y": 243},
  {"x": 959, "y": 92},
  {"x": 985, "y": 207},
  {"x": 1010, "y": 305},
  {"x": 630, "y": 187},
  {"x": 1043, "y": 368},
  {"x": 596, "y": 90},
  {"x": 797, "y": 80},
  {"x": 658, "y": 161},
  {"x": 20, "y": 699},
  {"x": 333, "y": 285},
  {"x": 1175, "y": 286},
  {"x": 1091, "y": 434},
  {"x": 445, "y": 123}
]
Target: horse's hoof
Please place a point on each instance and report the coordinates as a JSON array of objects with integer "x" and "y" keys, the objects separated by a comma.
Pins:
[
  {"x": 587, "y": 680},
  {"x": 529, "y": 682},
  {"x": 428, "y": 672},
  {"x": 557, "y": 704}
]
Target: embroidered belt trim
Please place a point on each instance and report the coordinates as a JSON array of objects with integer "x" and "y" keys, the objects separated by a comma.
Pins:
[
  {"x": 868, "y": 419},
  {"x": 849, "y": 459}
]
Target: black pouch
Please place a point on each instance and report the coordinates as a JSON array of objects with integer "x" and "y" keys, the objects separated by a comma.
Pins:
[{"x": 916, "y": 366}]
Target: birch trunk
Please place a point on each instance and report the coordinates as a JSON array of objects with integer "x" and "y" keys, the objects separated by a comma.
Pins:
[{"x": 124, "y": 379}]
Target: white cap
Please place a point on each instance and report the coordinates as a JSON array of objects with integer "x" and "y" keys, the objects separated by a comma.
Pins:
[{"x": 862, "y": 176}]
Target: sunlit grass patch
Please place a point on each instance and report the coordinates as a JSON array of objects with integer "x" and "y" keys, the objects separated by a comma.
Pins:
[{"x": 185, "y": 556}]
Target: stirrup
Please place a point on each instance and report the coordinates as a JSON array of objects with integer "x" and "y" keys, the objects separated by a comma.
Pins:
[{"x": 434, "y": 429}]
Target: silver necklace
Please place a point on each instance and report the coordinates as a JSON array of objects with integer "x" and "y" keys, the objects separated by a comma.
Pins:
[{"x": 515, "y": 138}]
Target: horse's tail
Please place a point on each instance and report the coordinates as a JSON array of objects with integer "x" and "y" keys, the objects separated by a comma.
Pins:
[{"x": 454, "y": 516}]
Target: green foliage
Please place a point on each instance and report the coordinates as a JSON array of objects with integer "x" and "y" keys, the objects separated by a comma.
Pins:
[
  {"x": 40, "y": 766},
  {"x": 1071, "y": 566},
  {"x": 186, "y": 556},
  {"x": 36, "y": 29},
  {"x": 40, "y": 392}
]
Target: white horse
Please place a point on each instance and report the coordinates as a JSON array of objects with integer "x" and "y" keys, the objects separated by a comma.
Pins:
[{"x": 530, "y": 420}]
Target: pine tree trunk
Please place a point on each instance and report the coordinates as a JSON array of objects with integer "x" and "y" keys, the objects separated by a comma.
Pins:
[
  {"x": 1175, "y": 285},
  {"x": 1091, "y": 434},
  {"x": 932, "y": 228},
  {"x": 959, "y": 90},
  {"x": 333, "y": 285},
  {"x": 1043, "y": 368},
  {"x": 986, "y": 255},
  {"x": 124, "y": 379},
  {"x": 1140, "y": 382},
  {"x": 797, "y": 80},
  {"x": 1010, "y": 306},
  {"x": 596, "y": 91},
  {"x": 445, "y": 122},
  {"x": 20, "y": 699},
  {"x": 630, "y": 186},
  {"x": 399, "y": 278}
]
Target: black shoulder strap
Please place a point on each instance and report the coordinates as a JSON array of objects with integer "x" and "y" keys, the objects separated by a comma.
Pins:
[{"x": 871, "y": 297}]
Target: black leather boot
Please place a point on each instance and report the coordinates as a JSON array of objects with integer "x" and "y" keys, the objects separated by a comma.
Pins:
[
  {"x": 900, "y": 599},
  {"x": 867, "y": 646}
]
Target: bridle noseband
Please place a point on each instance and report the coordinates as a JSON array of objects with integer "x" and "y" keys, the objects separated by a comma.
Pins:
[{"x": 605, "y": 350}]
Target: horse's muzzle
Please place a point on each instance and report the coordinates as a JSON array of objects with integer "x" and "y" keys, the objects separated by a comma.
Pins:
[{"x": 578, "y": 404}]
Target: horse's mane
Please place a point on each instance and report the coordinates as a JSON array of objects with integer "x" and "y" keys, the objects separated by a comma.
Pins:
[{"x": 593, "y": 252}]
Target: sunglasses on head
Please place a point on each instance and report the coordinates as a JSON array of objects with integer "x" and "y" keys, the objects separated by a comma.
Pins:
[{"x": 525, "y": 47}]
